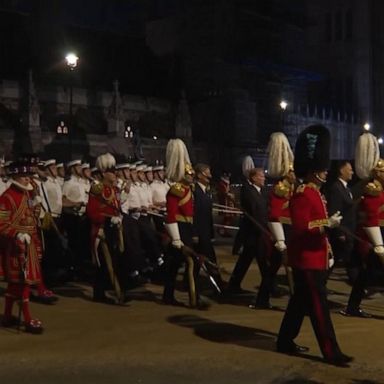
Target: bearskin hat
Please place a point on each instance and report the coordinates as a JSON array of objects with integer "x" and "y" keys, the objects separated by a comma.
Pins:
[{"x": 312, "y": 150}]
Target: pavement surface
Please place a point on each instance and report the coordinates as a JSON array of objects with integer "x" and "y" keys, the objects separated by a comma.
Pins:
[{"x": 147, "y": 342}]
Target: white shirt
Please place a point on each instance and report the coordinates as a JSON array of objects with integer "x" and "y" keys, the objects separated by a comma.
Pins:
[
  {"x": 53, "y": 194},
  {"x": 75, "y": 190},
  {"x": 134, "y": 199},
  {"x": 145, "y": 195},
  {"x": 159, "y": 191}
]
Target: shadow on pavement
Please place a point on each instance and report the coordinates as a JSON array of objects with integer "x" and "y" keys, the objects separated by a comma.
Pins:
[{"x": 226, "y": 333}]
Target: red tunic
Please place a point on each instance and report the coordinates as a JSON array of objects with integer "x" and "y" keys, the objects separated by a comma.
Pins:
[
  {"x": 371, "y": 214},
  {"x": 103, "y": 203},
  {"x": 308, "y": 247},
  {"x": 17, "y": 216},
  {"x": 179, "y": 204},
  {"x": 279, "y": 203}
]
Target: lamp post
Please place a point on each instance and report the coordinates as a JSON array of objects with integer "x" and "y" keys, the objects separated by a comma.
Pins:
[
  {"x": 71, "y": 60},
  {"x": 283, "y": 106}
]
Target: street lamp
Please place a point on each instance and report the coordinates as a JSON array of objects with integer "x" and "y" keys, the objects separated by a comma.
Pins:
[
  {"x": 283, "y": 106},
  {"x": 366, "y": 127},
  {"x": 71, "y": 60},
  {"x": 380, "y": 140}
]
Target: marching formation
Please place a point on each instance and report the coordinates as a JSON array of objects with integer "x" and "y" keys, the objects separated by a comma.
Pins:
[{"x": 121, "y": 225}]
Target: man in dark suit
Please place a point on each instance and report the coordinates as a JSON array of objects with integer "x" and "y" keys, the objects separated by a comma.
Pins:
[
  {"x": 253, "y": 199},
  {"x": 203, "y": 220},
  {"x": 339, "y": 198}
]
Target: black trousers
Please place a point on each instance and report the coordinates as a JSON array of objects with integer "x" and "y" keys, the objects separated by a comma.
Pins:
[
  {"x": 309, "y": 298},
  {"x": 174, "y": 260},
  {"x": 149, "y": 239},
  {"x": 205, "y": 248},
  {"x": 134, "y": 254},
  {"x": 269, "y": 264},
  {"x": 103, "y": 279}
]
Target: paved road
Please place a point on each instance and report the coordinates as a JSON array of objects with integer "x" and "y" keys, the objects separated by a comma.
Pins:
[{"x": 147, "y": 342}]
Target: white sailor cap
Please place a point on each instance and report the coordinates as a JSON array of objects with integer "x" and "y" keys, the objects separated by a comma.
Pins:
[
  {"x": 141, "y": 168},
  {"x": 132, "y": 167},
  {"x": 158, "y": 168},
  {"x": 123, "y": 166},
  {"x": 49, "y": 162},
  {"x": 94, "y": 169},
  {"x": 85, "y": 166},
  {"x": 148, "y": 169},
  {"x": 60, "y": 165},
  {"x": 73, "y": 162},
  {"x": 8, "y": 163}
]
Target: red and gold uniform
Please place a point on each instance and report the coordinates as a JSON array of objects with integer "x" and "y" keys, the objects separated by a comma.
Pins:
[
  {"x": 103, "y": 210},
  {"x": 20, "y": 258},
  {"x": 17, "y": 215},
  {"x": 308, "y": 246},
  {"x": 179, "y": 222},
  {"x": 103, "y": 203},
  {"x": 180, "y": 204},
  {"x": 279, "y": 202},
  {"x": 371, "y": 215}
]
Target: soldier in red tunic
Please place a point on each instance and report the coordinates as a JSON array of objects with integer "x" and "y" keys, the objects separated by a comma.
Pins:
[
  {"x": 280, "y": 166},
  {"x": 309, "y": 250},
  {"x": 103, "y": 209},
  {"x": 179, "y": 221},
  {"x": 369, "y": 167},
  {"x": 21, "y": 246}
]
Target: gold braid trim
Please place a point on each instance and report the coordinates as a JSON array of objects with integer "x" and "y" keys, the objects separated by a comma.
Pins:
[
  {"x": 186, "y": 198},
  {"x": 318, "y": 223}
]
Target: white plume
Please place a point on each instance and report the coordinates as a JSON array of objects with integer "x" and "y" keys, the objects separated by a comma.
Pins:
[
  {"x": 105, "y": 161},
  {"x": 280, "y": 155},
  {"x": 367, "y": 155},
  {"x": 176, "y": 157},
  {"x": 247, "y": 165}
]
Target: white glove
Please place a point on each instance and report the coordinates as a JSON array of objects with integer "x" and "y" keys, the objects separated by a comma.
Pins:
[
  {"x": 335, "y": 220},
  {"x": 177, "y": 244},
  {"x": 280, "y": 245},
  {"x": 116, "y": 220},
  {"x": 379, "y": 250},
  {"x": 331, "y": 262},
  {"x": 24, "y": 238},
  {"x": 173, "y": 231}
]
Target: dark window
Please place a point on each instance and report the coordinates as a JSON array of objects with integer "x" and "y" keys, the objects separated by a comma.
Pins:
[
  {"x": 348, "y": 24},
  {"x": 338, "y": 26},
  {"x": 328, "y": 27}
]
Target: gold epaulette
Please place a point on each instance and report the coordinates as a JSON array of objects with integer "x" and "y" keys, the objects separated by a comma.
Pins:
[
  {"x": 282, "y": 189},
  {"x": 96, "y": 188},
  {"x": 177, "y": 189},
  {"x": 374, "y": 188}
]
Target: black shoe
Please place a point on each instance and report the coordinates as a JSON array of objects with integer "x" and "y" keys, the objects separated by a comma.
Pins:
[
  {"x": 173, "y": 302},
  {"x": 279, "y": 292},
  {"x": 339, "y": 361},
  {"x": 260, "y": 306},
  {"x": 104, "y": 300},
  {"x": 202, "y": 305},
  {"x": 291, "y": 349},
  {"x": 355, "y": 313}
]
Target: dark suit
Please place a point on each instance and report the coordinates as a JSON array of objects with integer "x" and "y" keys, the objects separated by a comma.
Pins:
[
  {"x": 256, "y": 241},
  {"x": 203, "y": 229},
  {"x": 339, "y": 198}
]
